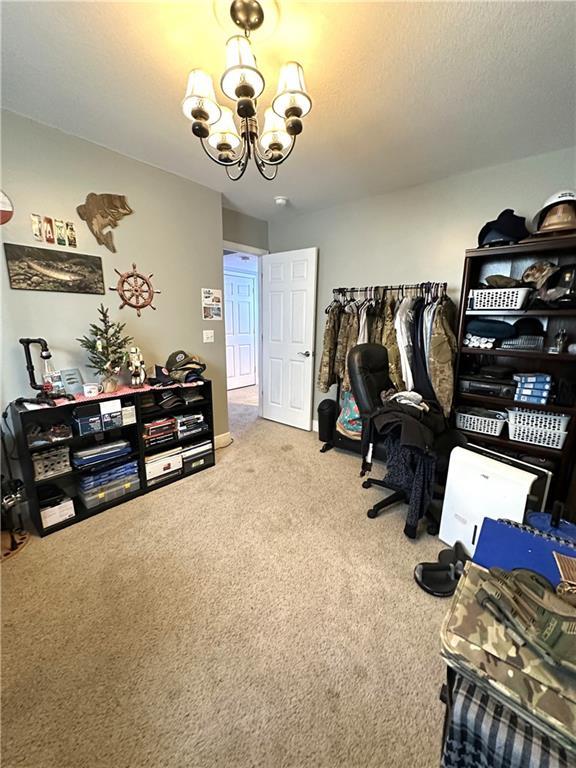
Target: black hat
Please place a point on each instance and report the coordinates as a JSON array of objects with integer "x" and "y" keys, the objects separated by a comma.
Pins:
[
  {"x": 161, "y": 375},
  {"x": 169, "y": 399},
  {"x": 507, "y": 228},
  {"x": 529, "y": 326},
  {"x": 493, "y": 329}
]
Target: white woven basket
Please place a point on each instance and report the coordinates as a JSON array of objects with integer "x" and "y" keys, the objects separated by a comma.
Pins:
[
  {"x": 553, "y": 422},
  {"x": 547, "y": 438},
  {"x": 498, "y": 298},
  {"x": 483, "y": 424}
]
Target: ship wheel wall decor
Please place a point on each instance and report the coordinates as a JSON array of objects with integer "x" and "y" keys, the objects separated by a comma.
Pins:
[{"x": 135, "y": 290}]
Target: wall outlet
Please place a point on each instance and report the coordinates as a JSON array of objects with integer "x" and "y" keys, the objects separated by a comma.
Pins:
[{"x": 208, "y": 337}]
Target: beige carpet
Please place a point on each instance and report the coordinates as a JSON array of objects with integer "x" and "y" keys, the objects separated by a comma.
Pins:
[
  {"x": 243, "y": 396},
  {"x": 251, "y": 615}
]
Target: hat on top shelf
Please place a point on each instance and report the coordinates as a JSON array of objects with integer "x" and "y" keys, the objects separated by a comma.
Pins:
[
  {"x": 184, "y": 367},
  {"x": 558, "y": 214},
  {"x": 505, "y": 229}
]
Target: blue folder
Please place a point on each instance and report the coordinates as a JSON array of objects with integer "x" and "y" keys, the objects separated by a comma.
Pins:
[{"x": 509, "y": 545}]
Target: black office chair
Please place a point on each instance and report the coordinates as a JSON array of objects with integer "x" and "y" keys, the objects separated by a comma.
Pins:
[{"x": 369, "y": 376}]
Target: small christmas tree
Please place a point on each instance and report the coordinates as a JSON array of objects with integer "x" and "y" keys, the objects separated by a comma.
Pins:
[{"x": 106, "y": 346}]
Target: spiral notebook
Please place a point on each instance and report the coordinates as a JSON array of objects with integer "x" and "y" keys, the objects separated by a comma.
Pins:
[{"x": 509, "y": 545}]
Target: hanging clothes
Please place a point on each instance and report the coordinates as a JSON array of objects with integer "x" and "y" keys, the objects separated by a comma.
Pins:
[
  {"x": 363, "y": 323},
  {"x": 377, "y": 327},
  {"x": 422, "y": 383},
  {"x": 416, "y": 331},
  {"x": 342, "y": 344},
  {"x": 428, "y": 318},
  {"x": 389, "y": 340},
  {"x": 327, "y": 373},
  {"x": 403, "y": 321},
  {"x": 352, "y": 340},
  {"x": 442, "y": 354}
]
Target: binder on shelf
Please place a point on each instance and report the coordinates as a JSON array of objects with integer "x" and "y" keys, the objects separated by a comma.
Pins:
[
  {"x": 534, "y": 386},
  {"x": 509, "y": 545},
  {"x": 532, "y": 378},
  {"x": 535, "y": 399}
]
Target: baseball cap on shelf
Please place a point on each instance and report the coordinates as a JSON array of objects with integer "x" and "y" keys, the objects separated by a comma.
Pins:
[
  {"x": 537, "y": 273},
  {"x": 180, "y": 359},
  {"x": 506, "y": 228},
  {"x": 168, "y": 399}
]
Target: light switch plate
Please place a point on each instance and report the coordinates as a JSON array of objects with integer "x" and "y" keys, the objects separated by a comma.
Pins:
[{"x": 208, "y": 337}]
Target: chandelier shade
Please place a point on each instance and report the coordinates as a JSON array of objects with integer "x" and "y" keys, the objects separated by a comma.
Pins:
[
  {"x": 291, "y": 96},
  {"x": 241, "y": 77},
  {"x": 200, "y": 100},
  {"x": 224, "y": 132},
  {"x": 274, "y": 135},
  {"x": 232, "y": 138}
]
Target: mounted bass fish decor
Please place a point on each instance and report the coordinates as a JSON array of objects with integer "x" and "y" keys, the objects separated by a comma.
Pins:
[
  {"x": 41, "y": 269},
  {"x": 103, "y": 211}
]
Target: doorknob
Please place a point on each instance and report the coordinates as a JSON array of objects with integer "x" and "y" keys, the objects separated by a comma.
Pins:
[{"x": 304, "y": 354}]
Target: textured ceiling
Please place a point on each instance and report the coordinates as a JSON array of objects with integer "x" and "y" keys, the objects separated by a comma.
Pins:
[{"x": 403, "y": 93}]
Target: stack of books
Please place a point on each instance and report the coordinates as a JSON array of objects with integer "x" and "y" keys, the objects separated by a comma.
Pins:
[
  {"x": 190, "y": 424},
  {"x": 533, "y": 388},
  {"x": 159, "y": 431}
]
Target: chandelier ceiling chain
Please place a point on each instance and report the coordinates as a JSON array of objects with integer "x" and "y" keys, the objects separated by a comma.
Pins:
[{"x": 243, "y": 83}]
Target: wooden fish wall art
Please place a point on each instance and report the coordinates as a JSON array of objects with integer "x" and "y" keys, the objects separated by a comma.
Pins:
[{"x": 102, "y": 213}]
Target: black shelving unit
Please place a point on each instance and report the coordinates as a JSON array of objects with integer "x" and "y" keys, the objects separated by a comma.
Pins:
[
  {"x": 513, "y": 260},
  {"x": 23, "y": 419}
]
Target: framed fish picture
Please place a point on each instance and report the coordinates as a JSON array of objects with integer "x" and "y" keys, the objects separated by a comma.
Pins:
[{"x": 40, "y": 269}]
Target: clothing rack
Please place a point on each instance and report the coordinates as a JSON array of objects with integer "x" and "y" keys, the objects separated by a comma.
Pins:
[{"x": 441, "y": 286}]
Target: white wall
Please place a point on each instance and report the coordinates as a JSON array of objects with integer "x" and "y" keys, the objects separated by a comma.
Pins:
[
  {"x": 419, "y": 233},
  {"x": 175, "y": 233}
]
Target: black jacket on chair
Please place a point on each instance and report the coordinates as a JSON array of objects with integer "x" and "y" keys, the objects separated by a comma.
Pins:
[{"x": 410, "y": 437}]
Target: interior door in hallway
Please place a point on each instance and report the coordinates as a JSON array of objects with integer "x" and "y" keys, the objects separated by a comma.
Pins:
[
  {"x": 239, "y": 318},
  {"x": 288, "y": 325}
]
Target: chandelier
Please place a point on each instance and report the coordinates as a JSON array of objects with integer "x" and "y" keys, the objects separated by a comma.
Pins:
[{"x": 243, "y": 83}]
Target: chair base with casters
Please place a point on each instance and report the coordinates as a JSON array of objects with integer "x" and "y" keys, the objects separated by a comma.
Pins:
[{"x": 394, "y": 497}]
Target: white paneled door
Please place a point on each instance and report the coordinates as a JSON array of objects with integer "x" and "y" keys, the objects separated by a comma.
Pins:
[
  {"x": 239, "y": 318},
  {"x": 288, "y": 324}
]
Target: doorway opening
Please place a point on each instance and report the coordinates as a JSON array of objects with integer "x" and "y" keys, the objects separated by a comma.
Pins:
[{"x": 242, "y": 332}]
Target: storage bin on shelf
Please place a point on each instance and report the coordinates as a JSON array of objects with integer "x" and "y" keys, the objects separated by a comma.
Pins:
[
  {"x": 497, "y": 298},
  {"x": 104, "y": 494},
  {"x": 548, "y": 438},
  {"x": 51, "y": 463},
  {"x": 489, "y": 423},
  {"x": 524, "y": 417},
  {"x": 538, "y": 427}
]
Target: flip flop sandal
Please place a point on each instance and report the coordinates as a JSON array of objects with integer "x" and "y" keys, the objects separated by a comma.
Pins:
[{"x": 437, "y": 579}]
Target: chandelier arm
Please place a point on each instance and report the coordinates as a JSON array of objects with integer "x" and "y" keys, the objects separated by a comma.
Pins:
[
  {"x": 262, "y": 168},
  {"x": 241, "y": 165},
  {"x": 274, "y": 162}
]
